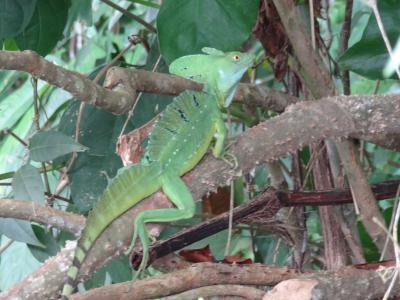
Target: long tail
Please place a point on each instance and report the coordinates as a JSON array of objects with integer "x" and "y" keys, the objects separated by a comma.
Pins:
[{"x": 131, "y": 185}]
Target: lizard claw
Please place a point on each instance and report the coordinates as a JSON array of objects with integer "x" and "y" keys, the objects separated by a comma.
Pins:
[{"x": 230, "y": 159}]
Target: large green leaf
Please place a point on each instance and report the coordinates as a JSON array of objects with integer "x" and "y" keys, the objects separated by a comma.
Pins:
[
  {"x": 19, "y": 230},
  {"x": 15, "y": 104},
  {"x": 116, "y": 270},
  {"x": 186, "y": 26},
  {"x": 369, "y": 56},
  {"x": 99, "y": 131},
  {"x": 7, "y": 79},
  {"x": 12, "y": 152},
  {"x": 48, "y": 145},
  {"x": 28, "y": 185},
  {"x": 16, "y": 262},
  {"x": 80, "y": 10},
  {"x": 15, "y": 16},
  {"x": 46, "y": 237},
  {"x": 46, "y": 26}
]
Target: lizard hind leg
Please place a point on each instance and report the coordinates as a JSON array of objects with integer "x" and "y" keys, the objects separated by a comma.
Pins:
[{"x": 179, "y": 194}]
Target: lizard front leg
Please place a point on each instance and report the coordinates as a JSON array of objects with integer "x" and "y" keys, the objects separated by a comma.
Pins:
[{"x": 219, "y": 150}]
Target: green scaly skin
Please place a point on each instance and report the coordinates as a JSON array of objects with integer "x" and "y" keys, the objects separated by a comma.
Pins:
[{"x": 177, "y": 143}]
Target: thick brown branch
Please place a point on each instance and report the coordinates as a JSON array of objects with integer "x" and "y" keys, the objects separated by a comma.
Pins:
[
  {"x": 320, "y": 83},
  {"x": 204, "y": 274},
  {"x": 235, "y": 291},
  {"x": 164, "y": 84},
  {"x": 123, "y": 84},
  {"x": 80, "y": 87},
  {"x": 370, "y": 118},
  {"x": 346, "y": 283},
  {"x": 24, "y": 210},
  {"x": 265, "y": 205},
  {"x": 303, "y": 123}
]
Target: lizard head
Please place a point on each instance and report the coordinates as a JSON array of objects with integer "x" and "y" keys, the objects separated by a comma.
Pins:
[
  {"x": 230, "y": 70},
  {"x": 220, "y": 72}
]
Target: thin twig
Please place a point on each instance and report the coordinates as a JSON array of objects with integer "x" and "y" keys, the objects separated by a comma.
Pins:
[
  {"x": 133, "y": 41},
  {"x": 310, "y": 164},
  {"x": 374, "y": 7},
  {"x": 35, "y": 103},
  {"x": 6, "y": 245},
  {"x": 396, "y": 208},
  {"x": 312, "y": 24},
  {"x": 150, "y": 27},
  {"x": 395, "y": 244},
  {"x": 376, "y": 88},
  {"x": 147, "y": 3},
  {"x": 230, "y": 219},
  {"x": 10, "y": 132},
  {"x": 344, "y": 42},
  {"x": 58, "y": 197},
  {"x": 130, "y": 113},
  {"x": 37, "y": 127},
  {"x": 325, "y": 15},
  {"x": 391, "y": 285}
]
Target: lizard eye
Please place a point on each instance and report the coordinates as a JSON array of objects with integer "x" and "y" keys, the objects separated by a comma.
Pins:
[{"x": 236, "y": 57}]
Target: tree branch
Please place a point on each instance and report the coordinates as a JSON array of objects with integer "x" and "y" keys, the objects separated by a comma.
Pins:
[
  {"x": 263, "y": 207},
  {"x": 373, "y": 118},
  {"x": 303, "y": 123},
  {"x": 80, "y": 87},
  {"x": 231, "y": 290},
  {"x": 198, "y": 275},
  {"x": 31, "y": 211},
  {"x": 320, "y": 83},
  {"x": 121, "y": 84},
  {"x": 346, "y": 283}
]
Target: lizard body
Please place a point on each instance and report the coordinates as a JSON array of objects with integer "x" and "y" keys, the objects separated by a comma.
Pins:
[{"x": 176, "y": 144}]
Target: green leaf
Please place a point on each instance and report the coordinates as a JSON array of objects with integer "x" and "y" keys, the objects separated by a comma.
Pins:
[
  {"x": 16, "y": 262},
  {"x": 116, "y": 270},
  {"x": 148, "y": 3},
  {"x": 217, "y": 243},
  {"x": 371, "y": 252},
  {"x": 11, "y": 150},
  {"x": 7, "y": 79},
  {"x": 261, "y": 176},
  {"x": 27, "y": 184},
  {"x": 99, "y": 131},
  {"x": 186, "y": 26},
  {"x": 46, "y": 26},
  {"x": 369, "y": 56},
  {"x": 80, "y": 10},
  {"x": 19, "y": 230},
  {"x": 119, "y": 269},
  {"x": 46, "y": 237},
  {"x": 99, "y": 278},
  {"x": 48, "y": 145},
  {"x": 15, "y": 16},
  {"x": 16, "y": 104},
  {"x": 10, "y": 44},
  {"x": 271, "y": 251}
]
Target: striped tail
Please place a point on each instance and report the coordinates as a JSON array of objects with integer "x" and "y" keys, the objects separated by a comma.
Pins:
[{"x": 130, "y": 186}]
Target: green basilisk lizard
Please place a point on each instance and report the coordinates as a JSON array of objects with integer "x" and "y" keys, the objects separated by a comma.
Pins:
[{"x": 176, "y": 144}]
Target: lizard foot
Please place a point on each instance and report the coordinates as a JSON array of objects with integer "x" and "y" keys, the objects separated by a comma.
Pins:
[{"x": 230, "y": 159}]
